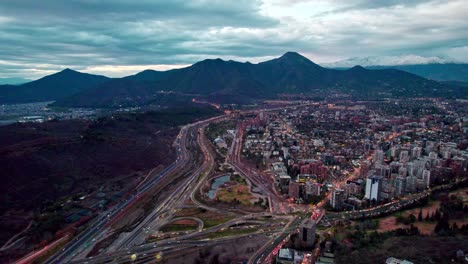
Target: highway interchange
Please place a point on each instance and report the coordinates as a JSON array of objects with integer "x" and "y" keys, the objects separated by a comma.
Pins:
[
  {"x": 96, "y": 230},
  {"x": 190, "y": 175},
  {"x": 183, "y": 178},
  {"x": 135, "y": 241}
]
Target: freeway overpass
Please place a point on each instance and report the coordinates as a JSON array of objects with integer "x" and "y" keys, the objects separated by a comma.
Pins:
[{"x": 95, "y": 231}]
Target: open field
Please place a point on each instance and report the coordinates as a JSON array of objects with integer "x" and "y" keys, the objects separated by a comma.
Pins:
[
  {"x": 388, "y": 223},
  {"x": 232, "y": 251},
  {"x": 59, "y": 172},
  {"x": 237, "y": 192},
  {"x": 180, "y": 225},
  {"x": 209, "y": 218},
  {"x": 231, "y": 232}
]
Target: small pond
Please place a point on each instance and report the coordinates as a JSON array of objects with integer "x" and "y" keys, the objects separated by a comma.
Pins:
[{"x": 216, "y": 183}]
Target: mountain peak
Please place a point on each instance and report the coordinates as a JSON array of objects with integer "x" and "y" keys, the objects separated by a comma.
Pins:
[
  {"x": 292, "y": 55},
  {"x": 68, "y": 70},
  {"x": 294, "y": 58},
  {"x": 209, "y": 62},
  {"x": 357, "y": 68}
]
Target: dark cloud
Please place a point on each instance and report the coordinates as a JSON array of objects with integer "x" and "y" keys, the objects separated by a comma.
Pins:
[
  {"x": 215, "y": 13},
  {"x": 80, "y": 33},
  {"x": 39, "y": 37}
]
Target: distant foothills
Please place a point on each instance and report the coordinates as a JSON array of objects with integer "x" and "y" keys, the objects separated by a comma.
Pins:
[{"x": 220, "y": 81}]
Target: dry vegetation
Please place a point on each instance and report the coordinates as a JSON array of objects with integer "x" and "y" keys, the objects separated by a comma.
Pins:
[
  {"x": 180, "y": 225},
  {"x": 209, "y": 218},
  {"x": 237, "y": 192},
  {"x": 233, "y": 251}
]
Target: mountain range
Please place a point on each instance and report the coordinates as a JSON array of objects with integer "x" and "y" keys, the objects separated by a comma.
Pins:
[
  {"x": 226, "y": 82},
  {"x": 50, "y": 88},
  {"x": 409, "y": 59},
  {"x": 434, "y": 71},
  {"x": 434, "y": 68}
]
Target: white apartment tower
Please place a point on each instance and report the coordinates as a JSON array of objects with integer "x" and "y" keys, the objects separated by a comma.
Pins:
[{"x": 373, "y": 187}]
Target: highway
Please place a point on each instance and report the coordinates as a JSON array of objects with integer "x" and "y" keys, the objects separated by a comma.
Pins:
[
  {"x": 181, "y": 242},
  {"x": 79, "y": 247},
  {"x": 165, "y": 210},
  {"x": 134, "y": 241},
  {"x": 95, "y": 231},
  {"x": 146, "y": 253}
]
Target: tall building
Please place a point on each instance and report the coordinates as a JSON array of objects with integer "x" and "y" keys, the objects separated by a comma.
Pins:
[
  {"x": 400, "y": 185},
  {"x": 352, "y": 188},
  {"x": 426, "y": 176},
  {"x": 338, "y": 198},
  {"x": 420, "y": 185},
  {"x": 446, "y": 154},
  {"x": 378, "y": 157},
  {"x": 402, "y": 171},
  {"x": 416, "y": 153},
  {"x": 404, "y": 156},
  {"x": 383, "y": 170},
  {"x": 294, "y": 189},
  {"x": 312, "y": 188},
  {"x": 365, "y": 167},
  {"x": 394, "y": 151},
  {"x": 394, "y": 166},
  {"x": 411, "y": 184},
  {"x": 373, "y": 187},
  {"x": 410, "y": 168},
  {"x": 307, "y": 232},
  {"x": 284, "y": 183}
]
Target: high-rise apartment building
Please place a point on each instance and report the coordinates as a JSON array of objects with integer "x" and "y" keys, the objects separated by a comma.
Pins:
[{"x": 373, "y": 187}]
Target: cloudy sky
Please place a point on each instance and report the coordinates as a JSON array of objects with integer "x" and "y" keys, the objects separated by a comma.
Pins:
[{"x": 121, "y": 37}]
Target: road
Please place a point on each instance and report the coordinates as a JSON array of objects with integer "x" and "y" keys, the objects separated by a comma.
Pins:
[
  {"x": 32, "y": 256},
  {"x": 193, "y": 238},
  {"x": 393, "y": 206},
  {"x": 263, "y": 182},
  {"x": 164, "y": 211},
  {"x": 95, "y": 230}
]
